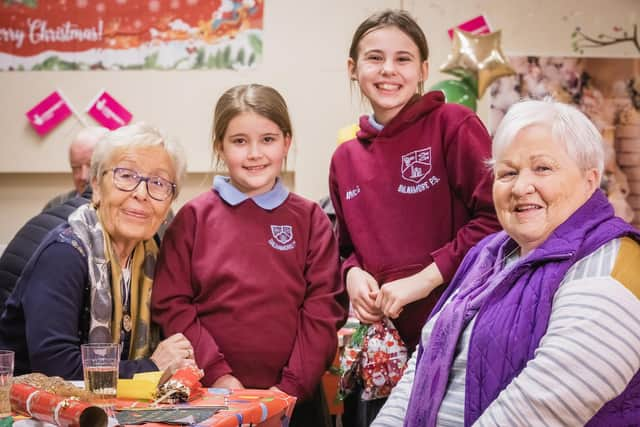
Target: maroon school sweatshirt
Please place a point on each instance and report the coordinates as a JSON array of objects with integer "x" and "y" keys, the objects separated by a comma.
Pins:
[
  {"x": 415, "y": 192},
  {"x": 256, "y": 291}
]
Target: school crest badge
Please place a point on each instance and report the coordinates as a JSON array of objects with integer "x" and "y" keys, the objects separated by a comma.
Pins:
[
  {"x": 416, "y": 165},
  {"x": 282, "y": 237},
  {"x": 282, "y": 233}
]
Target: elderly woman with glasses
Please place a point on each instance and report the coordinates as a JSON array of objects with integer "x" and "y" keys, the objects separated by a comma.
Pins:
[
  {"x": 90, "y": 280},
  {"x": 540, "y": 326}
]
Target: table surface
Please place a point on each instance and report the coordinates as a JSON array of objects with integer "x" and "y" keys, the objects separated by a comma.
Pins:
[{"x": 245, "y": 406}]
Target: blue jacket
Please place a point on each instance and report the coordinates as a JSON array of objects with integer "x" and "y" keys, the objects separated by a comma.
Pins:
[
  {"x": 26, "y": 241},
  {"x": 46, "y": 318}
]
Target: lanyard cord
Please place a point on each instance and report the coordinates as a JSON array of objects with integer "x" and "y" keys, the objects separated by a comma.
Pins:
[{"x": 125, "y": 285}]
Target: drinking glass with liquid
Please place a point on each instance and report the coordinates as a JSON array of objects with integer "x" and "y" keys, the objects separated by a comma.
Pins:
[
  {"x": 6, "y": 376},
  {"x": 100, "y": 364}
]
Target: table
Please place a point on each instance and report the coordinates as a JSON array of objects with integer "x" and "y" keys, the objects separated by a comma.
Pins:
[
  {"x": 265, "y": 408},
  {"x": 261, "y": 407}
]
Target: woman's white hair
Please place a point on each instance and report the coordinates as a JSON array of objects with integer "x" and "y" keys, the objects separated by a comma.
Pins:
[
  {"x": 568, "y": 126},
  {"x": 134, "y": 136}
]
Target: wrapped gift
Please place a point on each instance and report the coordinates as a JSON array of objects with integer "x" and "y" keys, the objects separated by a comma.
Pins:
[
  {"x": 143, "y": 386},
  {"x": 384, "y": 359},
  {"x": 53, "y": 408},
  {"x": 351, "y": 363},
  {"x": 55, "y": 385},
  {"x": 374, "y": 361},
  {"x": 182, "y": 386}
]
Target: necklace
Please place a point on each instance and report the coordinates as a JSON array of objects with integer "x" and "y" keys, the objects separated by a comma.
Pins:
[{"x": 125, "y": 284}]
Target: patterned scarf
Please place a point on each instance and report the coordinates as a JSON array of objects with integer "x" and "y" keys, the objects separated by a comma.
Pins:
[
  {"x": 432, "y": 373},
  {"x": 105, "y": 275}
]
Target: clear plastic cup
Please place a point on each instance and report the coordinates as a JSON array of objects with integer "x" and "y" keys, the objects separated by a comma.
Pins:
[
  {"x": 100, "y": 363},
  {"x": 6, "y": 377}
]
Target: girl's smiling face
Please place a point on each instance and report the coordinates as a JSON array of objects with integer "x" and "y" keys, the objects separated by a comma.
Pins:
[
  {"x": 388, "y": 70},
  {"x": 254, "y": 148}
]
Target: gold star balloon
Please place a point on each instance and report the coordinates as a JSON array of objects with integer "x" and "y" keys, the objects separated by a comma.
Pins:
[{"x": 479, "y": 56}]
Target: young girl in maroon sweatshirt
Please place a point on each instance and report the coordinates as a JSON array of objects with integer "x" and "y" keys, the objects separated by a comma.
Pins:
[
  {"x": 248, "y": 271},
  {"x": 411, "y": 192}
]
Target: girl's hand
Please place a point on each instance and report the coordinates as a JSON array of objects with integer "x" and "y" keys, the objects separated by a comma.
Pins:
[
  {"x": 362, "y": 289},
  {"x": 393, "y": 296},
  {"x": 227, "y": 381},
  {"x": 173, "y": 353}
]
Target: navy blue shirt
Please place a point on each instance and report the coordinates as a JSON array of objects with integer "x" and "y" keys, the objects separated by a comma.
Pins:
[{"x": 46, "y": 317}]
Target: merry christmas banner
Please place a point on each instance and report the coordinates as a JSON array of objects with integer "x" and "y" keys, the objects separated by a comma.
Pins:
[{"x": 130, "y": 34}]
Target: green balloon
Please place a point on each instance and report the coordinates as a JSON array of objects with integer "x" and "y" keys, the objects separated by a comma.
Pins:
[{"x": 457, "y": 92}]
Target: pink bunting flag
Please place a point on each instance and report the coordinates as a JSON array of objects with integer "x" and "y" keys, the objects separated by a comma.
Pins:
[
  {"x": 109, "y": 112},
  {"x": 49, "y": 112},
  {"x": 477, "y": 25}
]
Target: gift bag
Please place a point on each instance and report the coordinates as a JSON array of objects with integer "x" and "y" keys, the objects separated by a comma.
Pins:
[
  {"x": 375, "y": 361},
  {"x": 384, "y": 358},
  {"x": 350, "y": 367}
]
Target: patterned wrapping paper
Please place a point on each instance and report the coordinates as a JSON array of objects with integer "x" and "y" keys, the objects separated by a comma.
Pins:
[
  {"x": 184, "y": 385},
  {"x": 258, "y": 407},
  {"x": 375, "y": 360},
  {"x": 266, "y": 408},
  {"x": 384, "y": 359},
  {"x": 62, "y": 411}
]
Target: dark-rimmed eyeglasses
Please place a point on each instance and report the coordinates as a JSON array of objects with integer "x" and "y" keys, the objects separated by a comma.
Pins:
[{"x": 158, "y": 188}]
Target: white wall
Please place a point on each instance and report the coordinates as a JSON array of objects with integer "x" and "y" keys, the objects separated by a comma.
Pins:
[{"x": 305, "y": 51}]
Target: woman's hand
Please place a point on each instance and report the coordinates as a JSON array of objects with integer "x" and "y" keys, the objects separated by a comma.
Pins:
[
  {"x": 227, "y": 381},
  {"x": 173, "y": 353},
  {"x": 362, "y": 289},
  {"x": 393, "y": 296}
]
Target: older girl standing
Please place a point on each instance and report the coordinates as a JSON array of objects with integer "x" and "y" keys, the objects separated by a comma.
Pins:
[{"x": 412, "y": 193}]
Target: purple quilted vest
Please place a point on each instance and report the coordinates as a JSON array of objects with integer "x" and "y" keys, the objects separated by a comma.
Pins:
[{"x": 523, "y": 301}]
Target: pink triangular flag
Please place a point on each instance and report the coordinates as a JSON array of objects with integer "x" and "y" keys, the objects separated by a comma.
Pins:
[
  {"x": 49, "y": 113},
  {"x": 108, "y": 112},
  {"x": 477, "y": 25}
]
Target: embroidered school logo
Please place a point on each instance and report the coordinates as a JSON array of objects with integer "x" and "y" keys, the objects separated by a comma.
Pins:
[
  {"x": 416, "y": 165},
  {"x": 282, "y": 233},
  {"x": 282, "y": 237},
  {"x": 415, "y": 168}
]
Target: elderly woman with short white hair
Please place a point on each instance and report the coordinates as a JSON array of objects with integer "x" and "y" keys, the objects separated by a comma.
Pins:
[
  {"x": 540, "y": 324},
  {"x": 90, "y": 281}
]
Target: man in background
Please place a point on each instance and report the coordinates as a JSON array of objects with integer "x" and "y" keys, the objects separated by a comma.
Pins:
[
  {"x": 80, "y": 152},
  {"x": 26, "y": 241},
  {"x": 19, "y": 250}
]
